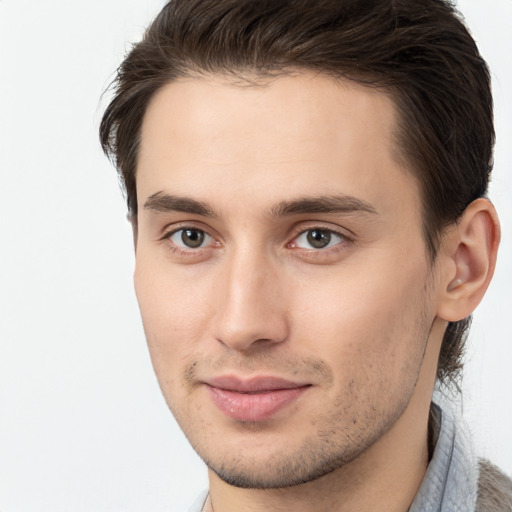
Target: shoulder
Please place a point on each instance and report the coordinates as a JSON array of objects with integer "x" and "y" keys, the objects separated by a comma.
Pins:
[{"x": 494, "y": 489}]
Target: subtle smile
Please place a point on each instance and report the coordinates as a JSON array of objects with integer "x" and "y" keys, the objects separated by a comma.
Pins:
[{"x": 256, "y": 399}]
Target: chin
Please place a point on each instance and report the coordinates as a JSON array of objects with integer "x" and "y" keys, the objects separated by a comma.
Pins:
[{"x": 315, "y": 458}]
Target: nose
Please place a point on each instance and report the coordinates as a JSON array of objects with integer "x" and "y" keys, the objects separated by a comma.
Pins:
[{"x": 252, "y": 307}]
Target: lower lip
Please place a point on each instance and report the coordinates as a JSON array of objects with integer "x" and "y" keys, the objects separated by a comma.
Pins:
[{"x": 254, "y": 406}]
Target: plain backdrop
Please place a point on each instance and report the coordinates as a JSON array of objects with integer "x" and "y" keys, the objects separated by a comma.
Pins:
[{"x": 83, "y": 426}]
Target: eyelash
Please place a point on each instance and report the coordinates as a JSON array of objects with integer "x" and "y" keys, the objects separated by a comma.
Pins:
[
  {"x": 185, "y": 251},
  {"x": 344, "y": 239}
]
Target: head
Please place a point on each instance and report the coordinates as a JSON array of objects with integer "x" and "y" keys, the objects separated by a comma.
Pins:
[
  {"x": 418, "y": 52},
  {"x": 392, "y": 84}
]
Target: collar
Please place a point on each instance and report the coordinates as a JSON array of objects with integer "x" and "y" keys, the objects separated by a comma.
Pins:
[{"x": 451, "y": 480}]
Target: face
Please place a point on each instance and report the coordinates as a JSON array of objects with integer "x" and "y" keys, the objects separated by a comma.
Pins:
[{"x": 281, "y": 274}]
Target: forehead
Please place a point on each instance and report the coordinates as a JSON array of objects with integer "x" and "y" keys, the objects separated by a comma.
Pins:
[{"x": 291, "y": 135}]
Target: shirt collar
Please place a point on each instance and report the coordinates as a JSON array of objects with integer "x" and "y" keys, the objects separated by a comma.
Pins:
[{"x": 451, "y": 480}]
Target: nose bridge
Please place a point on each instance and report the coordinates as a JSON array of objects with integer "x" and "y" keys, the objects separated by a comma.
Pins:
[{"x": 251, "y": 308}]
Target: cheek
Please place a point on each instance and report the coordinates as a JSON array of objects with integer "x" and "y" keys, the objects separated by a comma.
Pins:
[
  {"x": 377, "y": 323},
  {"x": 174, "y": 310}
]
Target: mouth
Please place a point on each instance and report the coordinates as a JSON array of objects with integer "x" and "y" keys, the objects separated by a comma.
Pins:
[{"x": 255, "y": 399}]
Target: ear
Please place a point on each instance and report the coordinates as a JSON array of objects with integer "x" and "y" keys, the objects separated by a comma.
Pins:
[
  {"x": 467, "y": 258},
  {"x": 132, "y": 219}
]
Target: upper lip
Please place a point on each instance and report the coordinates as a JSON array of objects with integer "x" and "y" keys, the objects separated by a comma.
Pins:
[{"x": 253, "y": 384}]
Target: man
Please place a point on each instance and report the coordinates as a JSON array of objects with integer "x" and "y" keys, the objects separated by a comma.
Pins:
[{"x": 306, "y": 181}]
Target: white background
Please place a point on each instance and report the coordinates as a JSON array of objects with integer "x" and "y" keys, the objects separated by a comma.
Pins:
[{"x": 83, "y": 426}]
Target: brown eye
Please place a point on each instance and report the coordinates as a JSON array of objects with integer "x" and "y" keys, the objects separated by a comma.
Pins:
[
  {"x": 189, "y": 238},
  {"x": 192, "y": 237},
  {"x": 319, "y": 238}
]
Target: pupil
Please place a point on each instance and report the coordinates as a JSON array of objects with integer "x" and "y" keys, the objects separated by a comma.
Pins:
[
  {"x": 192, "y": 237},
  {"x": 319, "y": 239}
]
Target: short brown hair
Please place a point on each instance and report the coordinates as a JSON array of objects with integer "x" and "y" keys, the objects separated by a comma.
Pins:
[{"x": 419, "y": 51}]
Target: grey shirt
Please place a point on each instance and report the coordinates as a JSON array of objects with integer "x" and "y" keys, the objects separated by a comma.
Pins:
[{"x": 451, "y": 481}]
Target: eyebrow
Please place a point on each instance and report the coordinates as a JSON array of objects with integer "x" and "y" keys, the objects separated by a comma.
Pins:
[
  {"x": 341, "y": 203},
  {"x": 163, "y": 203}
]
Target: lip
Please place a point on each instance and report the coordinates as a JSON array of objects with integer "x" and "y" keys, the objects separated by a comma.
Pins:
[{"x": 255, "y": 399}]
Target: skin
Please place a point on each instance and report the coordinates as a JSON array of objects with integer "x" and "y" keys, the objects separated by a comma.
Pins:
[{"x": 360, "y": 321}]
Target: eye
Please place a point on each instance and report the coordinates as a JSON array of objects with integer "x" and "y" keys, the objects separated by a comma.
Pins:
[
  {"x": 318, "y": 239},
  {"x": 190, "y": 238}
]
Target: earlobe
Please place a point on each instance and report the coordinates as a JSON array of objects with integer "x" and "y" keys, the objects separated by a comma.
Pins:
[{"x": 468, "y": 258}]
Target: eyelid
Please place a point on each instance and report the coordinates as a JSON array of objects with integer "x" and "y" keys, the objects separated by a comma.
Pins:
[
  {"x": 304, "y": 227},
  {"x": 205, "y": 242},
  {"x": 325, "y": 255},
  {"x": 174, "y": 228},
  {"x": 334, "y": 240},
  {"x": 170, "y": 229}
]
